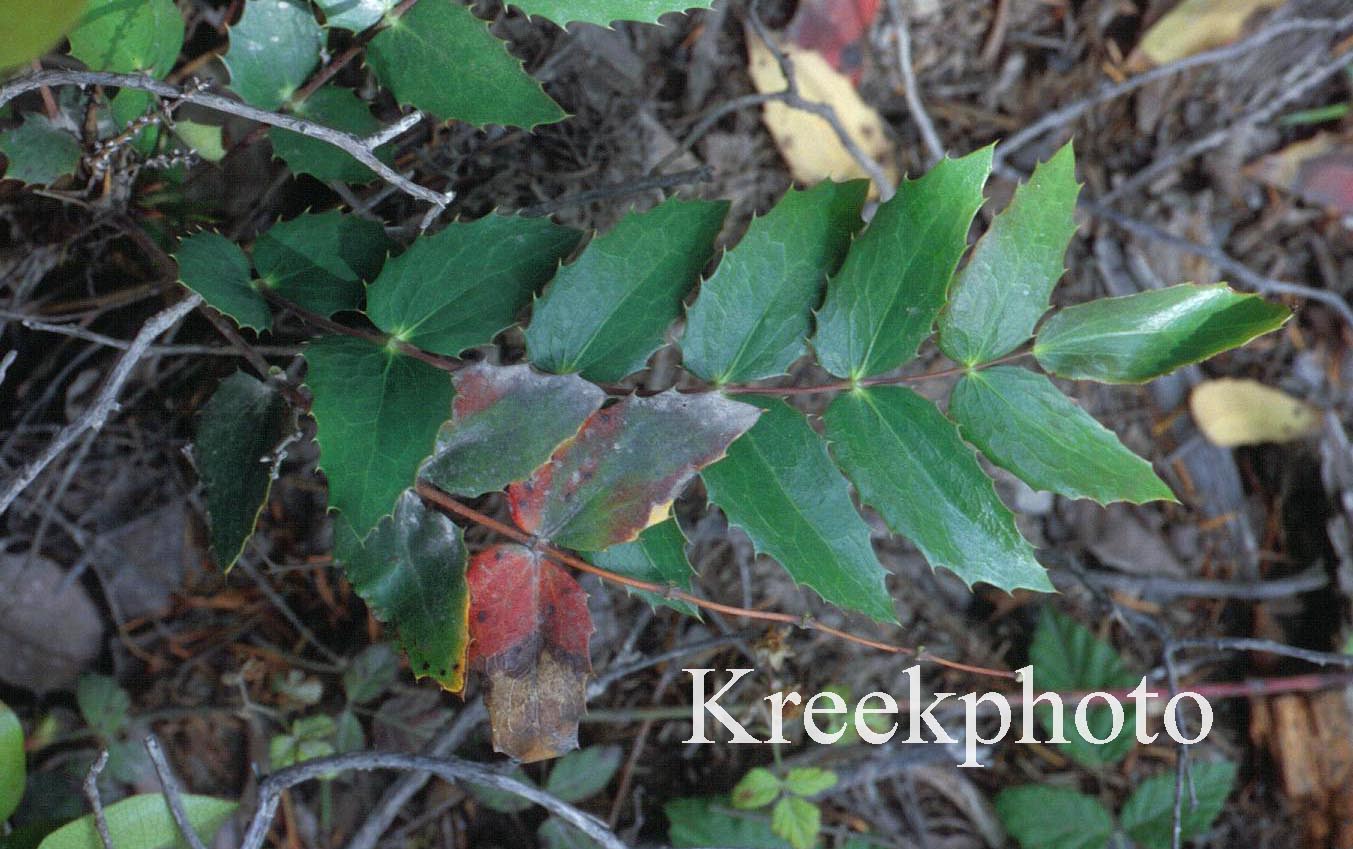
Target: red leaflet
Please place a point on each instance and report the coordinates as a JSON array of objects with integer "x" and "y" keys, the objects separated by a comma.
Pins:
[
  {"x": 529, "y": 628},
  {"x": 838, "y": 29}
]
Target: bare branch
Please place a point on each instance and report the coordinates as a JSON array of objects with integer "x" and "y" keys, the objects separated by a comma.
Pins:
[
  {"x": 91, "y": 787},
  {"x": 170, "y": 785},
  {"x": 934, "y": 147}
]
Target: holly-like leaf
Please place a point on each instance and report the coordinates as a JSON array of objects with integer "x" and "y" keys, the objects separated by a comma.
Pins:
[
  {"x": 1148, "y": 814},
  {"x": 623, "y": 469},
  {"x": 376, "y": 415},
  {"x": 884, "y": 301},
  {"x": 459, "y": 288},
  {"x": 1044, "y": 817},
  {"x": 129, "y": 36},
  {"x": 1004, "y": 289},
  {"x": 908, "y": 462},
  {"x": 605, "y": 12},
  {"x": 490, "y": 85},
  {"x": 411, "y": 571},
  {"x": 273, "y": 49},
  {"x": 780, "y": 486},
  {"x": 28, "y": 36},
  {"x": 215, "y": 268},
  {"x": 529, "y": 628},
  {"x": 796, "y": 820},
  {"x": 506, "y": 421},
  {"x": 354, "y": 15},
  {"x": 657, "y": 556},
  {"x": 337, "y": 108},
  {"x": 1135, "y": 338},
  {"x": 144, "y": 822},
  {"x": 39, "y": 152},
  {"x": 752, "y": 318},
  {"x": 13, "y": 762},
  {"x": 607, "y": 312},
  {"x": 1023, "y": 424},
  {"x": 319, "y": 260},
  {"x": 241, "y": 427}
]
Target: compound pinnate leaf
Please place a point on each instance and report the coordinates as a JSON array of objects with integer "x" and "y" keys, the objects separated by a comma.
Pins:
[
  {"x": 1004, "y": 288},
  {"x": 506, "y": 421},
  {"x": 273, "y": 48},
  {"x": 354, "y": 15},
  {"x": 489, "y": 85},
  {"x": 1148, "y": 814},
  {"x": 779, "y": 486},
  {"x": 1135, "y": 338},
  {"x": 883, "y": 302},
  {"x": 529, "y": 628},
  {"x": 607, "y": 312},
  {"x": 460, "y": 287},
  {"x": 909, "y": 463},
  {"x": 623, "y": 469},
  {"x": 319, "y": 260},
  {"x": 1023, "y": 424},
  {"x": 144, "y": 822},
  {"x": 339, "y": 109},
  {"x": 752, "y": 318},
  {"x": 411, "y": 571},
  {"x": 241, "y": 427},
  {"x": 27, "y": 35},
  {"x": 1043, "y": 817},
  {"x": 129, "y": 36},
  {"x": 657, "y": 556},
  {"x": 605, "y": 12},
  {"x": 376, "y": 415},
  {"x": 215, "y": 268},
  {"x": 39, "y": 152},
  {"x": 13, "y": 762}
]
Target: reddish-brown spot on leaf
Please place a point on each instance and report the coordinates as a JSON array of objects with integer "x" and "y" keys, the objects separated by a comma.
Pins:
[
  {"x": 529, "y": 628},
  {"x": 837, "y": 29}
]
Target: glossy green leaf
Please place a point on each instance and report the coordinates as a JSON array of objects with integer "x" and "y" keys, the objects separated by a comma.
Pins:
[
  {"x": 487, "y": 85},
  {"x": 753, "y": 314},
  {"x": 582, "y": 774},
  {"x": 757, "y": 789},
  {"x": 215, "y": 268},
  {"x": 376, "y": 414},
  {"x": 28, "y": 36},
  {"x": 1004, "y": 289},
  {"x": 779, "y": 486},
  {"x": 354, "y": 15},
  {"x": 240, "y": 429},
  {"x": 1044, "y": 817},
  {"x": 144, "y": 822},
  {"x": 273, "y": 49},
  {"x": 39, "y": 152},
  {"x": 339, "y": 109},
  {"x": 605, "y": 12},
  {"x": 625, "y": 466},
  {"x": 883, "y": 302},
  {"x": 506, "y": 421},
  {"x": 1068, "y": 658},
  {"x": 459, "y": 288},
  {"x": 203, "y": 139},
  {"x": 411, "y": 572},
  {"x": 1148, "y": 814},
  {"x": 129, "y": 36},
  {"x": 607, "y": 312},
  {"x": 13, "y": 762},
  {"x": 657, "y": 556},
  {"x": 1134, "y": 338},
  {"x": 319, "y": 260},
  {"x": 908, "y": 462},
  {"x": 796, "y": 820},
  {"x": 1023, "y": 424}
]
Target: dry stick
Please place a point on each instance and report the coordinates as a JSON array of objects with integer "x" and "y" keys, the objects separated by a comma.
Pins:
[
  {"x": 448, "y": 504},
  {"x": 170, "y": 787},
  {"x": 91, "y": 787},
  {"x": 75, "y": 331},
  {"x": 910, "y": 90}
]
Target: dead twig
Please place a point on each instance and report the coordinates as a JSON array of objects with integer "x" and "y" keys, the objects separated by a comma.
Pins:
[
  {"x": 172, "y": 795},
  {"x": 910, "y": 90},
  {"x": 91, "y": 787}
]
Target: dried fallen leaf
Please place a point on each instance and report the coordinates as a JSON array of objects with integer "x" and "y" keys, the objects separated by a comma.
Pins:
[
  {"x": 1244, "y": 412},
  {"x": 838, "y": 29},
  {"x": 808, "y": 143},
  {"x": 1192, "y": 27},
  {"x": 1319, "y": 170}
]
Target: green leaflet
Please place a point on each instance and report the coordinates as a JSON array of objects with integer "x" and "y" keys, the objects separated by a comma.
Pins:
[
  {"x": 273, "y": 49},
  {"x": 657, "y": 556},
  {"x": 1135, "y": 338},
  {"x": 129, "y": 36},
  {"x": 27, "y": 35},
  {"x": 752, "y": 318},
  {"x": 796, "y": 820},
  {"x": 459, "y": 288},
  {"x": 757, "y": 789},
  {"x": 1042, "y": 817},
  {"x": 895, "y": 279},
  {"x": 488, "y": 85},
  {"x": 1004, "y": 289},
  {"x": 779, "y": 485},
  {"x": 411, "y": 571},
  {"x": 506, "y": 421},
  {"x": 241, "y": 427},
  {"x": 908, "y": 462},
  {"x": 144, "y": 822},
  {"x": 605, "y": 12},
  {"x": 1148, "y": 814},
  {"x": 203, "y": 139},
  {"x": 606, "y": 312},
  {"x": 13, "y": 762},
  {"x": 376, "y": 416},
  {"x": 354, "y": 15},
  {"x": 215, "y": 268},
  {"x": 319, "y": 260},
  {"x": 39, "y": 152},
  {"x": 339, "y": 109},
  {"x": 1023, "y": 424}
]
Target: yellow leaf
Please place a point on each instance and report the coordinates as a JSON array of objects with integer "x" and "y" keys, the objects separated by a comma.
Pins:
[
  {"x": 808, "y": 143},
  {"x": 1245, "y": 412},
  {"x": 1194, "y": 26}
]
